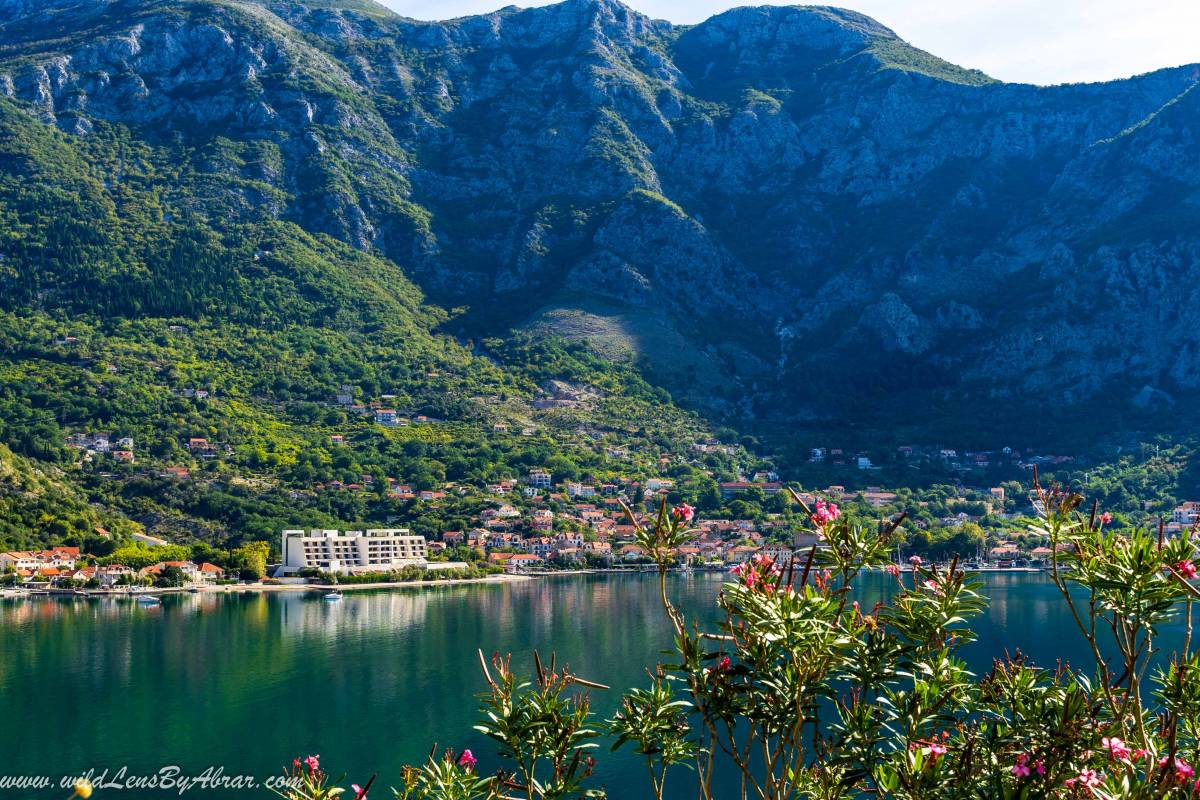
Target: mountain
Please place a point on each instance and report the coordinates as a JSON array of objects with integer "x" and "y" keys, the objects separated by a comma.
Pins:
[
  {"x": 787, "y": 216},
  {"x": 160, "y": 281}
]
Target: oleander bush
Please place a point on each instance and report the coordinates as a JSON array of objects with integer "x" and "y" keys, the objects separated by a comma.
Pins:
[{"x": 800, "y": 692}]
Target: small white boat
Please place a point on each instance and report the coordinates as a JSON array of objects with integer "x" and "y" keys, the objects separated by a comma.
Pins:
[
  {"x": 334, "y": 595},
  {"x": 149, "y": 600}
]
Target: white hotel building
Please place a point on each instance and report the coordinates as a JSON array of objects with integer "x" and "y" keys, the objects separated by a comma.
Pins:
[{"x": 377, "y": 550}]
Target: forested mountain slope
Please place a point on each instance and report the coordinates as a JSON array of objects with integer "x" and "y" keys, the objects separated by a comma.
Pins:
[{"x": 784, "y": 215}]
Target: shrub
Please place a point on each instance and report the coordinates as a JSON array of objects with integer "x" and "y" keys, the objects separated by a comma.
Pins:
[{"x": 801, "y": 693}]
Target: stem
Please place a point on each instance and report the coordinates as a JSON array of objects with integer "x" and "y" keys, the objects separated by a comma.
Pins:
[
  {"x": 1090, "y": 636},
  {"x": 1187, "y": 638}
]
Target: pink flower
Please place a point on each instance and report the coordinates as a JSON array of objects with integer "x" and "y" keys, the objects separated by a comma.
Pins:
[
  {"x": 1140, "y": 754},
  {"x": 893, "y": 570},
  {"x": 1183, "y": 770},
  {"x": 1087, "y": 779},
  {"x": 825, "y": 513},
  {"x": 467, "y": 760},
  {"x": 1039, "y": 766},
  {"x": 822, "y": 580},
  {"x": 936, "y": 751},
  {"x": 312, "y": 763},
  {"x": 914, "y": 560},
  {"x": 1186, "y": 568},
  {"x": 1105, "y": 518},
  {"x": 1021, "y": 768},
  {"x": 933, "y": 586},
  {"x": 684, "y": 513},
  {"x": 1116, "y": 748},
  {"x": 724, "y": 665},
  {"x": 359, "y": 794},
  {"x": 759, "y": 573}
]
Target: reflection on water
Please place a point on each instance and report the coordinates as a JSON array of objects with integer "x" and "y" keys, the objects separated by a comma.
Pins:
[{"x": 247, "y": 681}]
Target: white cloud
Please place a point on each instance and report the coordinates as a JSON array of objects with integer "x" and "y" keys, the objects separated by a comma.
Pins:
[{"x": 1036, "y": 41}]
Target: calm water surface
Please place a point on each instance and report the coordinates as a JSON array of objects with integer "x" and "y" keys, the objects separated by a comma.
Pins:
[{"x": 370, "y": 683}]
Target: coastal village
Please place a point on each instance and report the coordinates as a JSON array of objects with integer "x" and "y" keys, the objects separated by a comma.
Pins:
[
  {"x": 536, "y": 524},
  {"x": 540, "y": 521},
  {"x": 64, "y": 566}
]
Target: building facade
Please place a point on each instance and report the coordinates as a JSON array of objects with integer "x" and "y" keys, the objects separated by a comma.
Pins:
[
  {"x": 54, "y": 558},
  {"x": 376, "y": 550}
]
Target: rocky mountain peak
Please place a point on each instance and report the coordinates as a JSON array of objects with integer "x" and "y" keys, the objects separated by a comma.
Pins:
[
  {"x": 816, "y": 27},
  {"x": 591, "y": 8},
  {"x": 762, "y": 172},
  {"x": 791, "y": 31},
  {"x": 607, "y": 20},
  {"x": 781, "y": 44},
  {"x": 11, "y": 10}
]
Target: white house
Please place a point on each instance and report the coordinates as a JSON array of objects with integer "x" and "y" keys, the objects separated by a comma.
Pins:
[
  {"x": 1186, "y": 513},
  {"x": 112, "y": 574},
  {"x": 376, "y": 550},
  {"x": 55, "y": 557}
]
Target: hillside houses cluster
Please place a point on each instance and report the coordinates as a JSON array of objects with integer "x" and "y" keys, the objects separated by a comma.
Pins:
[
  {"x": 1184, "y": 517},
  {"x": 206, "y": 449},
  {"x": 708, "y": 446},
  {"x": 382, "y": 411},
  {"x": 733, "y": 488},
  {"x": 608, "y": 540},
  {"x": 32, "y": 561},
  {"x": 574, "y": 523},
  {"x": 58, "y": 566},
  {"x": 102, "y": 443},
  {"x": 948, "y": 457}
]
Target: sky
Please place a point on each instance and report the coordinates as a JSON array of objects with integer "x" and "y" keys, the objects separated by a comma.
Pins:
[{"x": 1032, "y": 41}]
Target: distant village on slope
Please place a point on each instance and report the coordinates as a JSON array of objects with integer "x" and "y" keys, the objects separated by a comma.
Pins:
[{"x": 537, "y": 522}]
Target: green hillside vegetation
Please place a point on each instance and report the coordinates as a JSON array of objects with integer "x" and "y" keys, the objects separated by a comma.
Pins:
[
  {"x": 124, "y": 290},
  {"x": 38, "y": 505},
  {"x": 898, "y": 54},
  {"x": 214, "y": 214}
]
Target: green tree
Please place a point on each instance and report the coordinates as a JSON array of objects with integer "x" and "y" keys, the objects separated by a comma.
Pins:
[{"x": 251, "y": 560}]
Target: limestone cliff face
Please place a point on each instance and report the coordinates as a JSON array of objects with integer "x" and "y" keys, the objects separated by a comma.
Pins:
[{"x": 836, "y": 197}]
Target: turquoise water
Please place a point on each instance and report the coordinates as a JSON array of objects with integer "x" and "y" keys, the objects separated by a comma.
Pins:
[{"x": 245, "y": 682}]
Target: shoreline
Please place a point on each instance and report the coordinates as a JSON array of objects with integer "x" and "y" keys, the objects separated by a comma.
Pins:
[
  {"x": 500, "y": 579},
  {"x": 243, "y": 588},
  {"x": 252, "y": 588}
]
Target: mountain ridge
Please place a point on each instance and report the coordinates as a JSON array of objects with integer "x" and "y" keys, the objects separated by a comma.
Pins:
[{"x": 848, "y": 201}]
